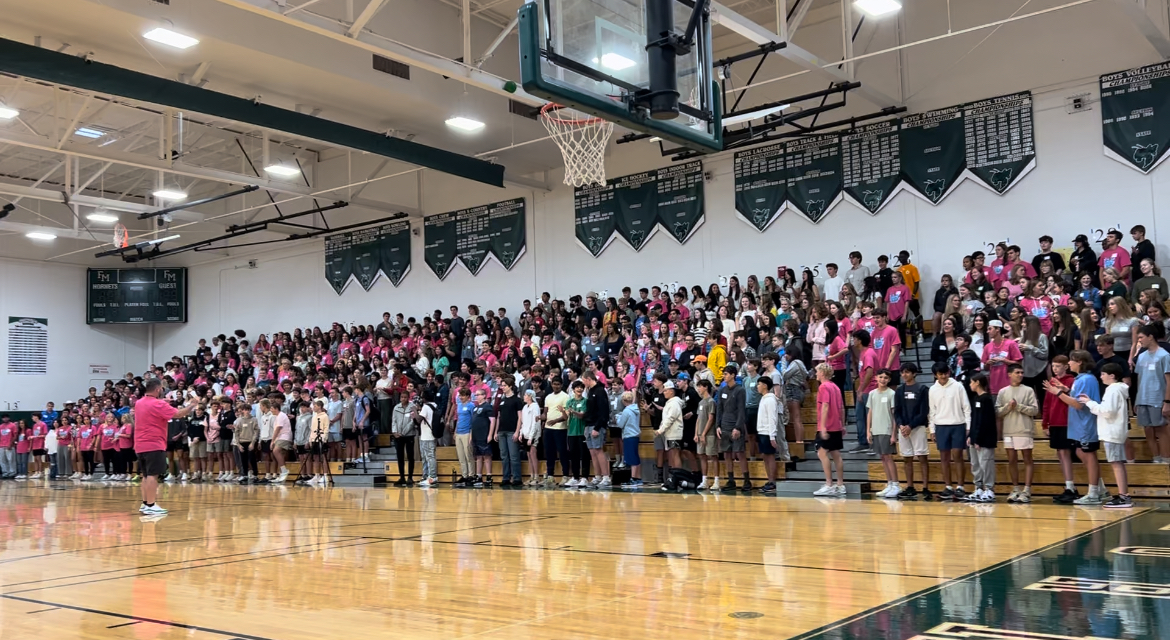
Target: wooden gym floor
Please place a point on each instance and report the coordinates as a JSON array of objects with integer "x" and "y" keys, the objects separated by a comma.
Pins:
[{"x": 286, "y": 563}]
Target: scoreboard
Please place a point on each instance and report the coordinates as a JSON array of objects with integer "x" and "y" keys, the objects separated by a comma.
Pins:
[{"x": 134, "y": 296}]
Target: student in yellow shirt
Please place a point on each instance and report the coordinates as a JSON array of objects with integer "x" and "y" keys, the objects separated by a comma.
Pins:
[{"x": 911, "y": 278}]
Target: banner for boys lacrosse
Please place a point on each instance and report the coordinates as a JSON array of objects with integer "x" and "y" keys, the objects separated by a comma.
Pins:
[
  {"x": 636, "y": 206},
  {"x": 1135, "y": 105}
]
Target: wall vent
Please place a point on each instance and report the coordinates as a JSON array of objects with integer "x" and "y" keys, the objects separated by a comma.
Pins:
[{"x": 392, "y": 67}]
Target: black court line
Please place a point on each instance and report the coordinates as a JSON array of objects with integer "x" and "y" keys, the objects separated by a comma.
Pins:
[
  {"x": 893, "y": 603},
  {"x": 125, "y": 624},
  {"x": 42, "y": 610},
  {"x": 123, "y": 616}
]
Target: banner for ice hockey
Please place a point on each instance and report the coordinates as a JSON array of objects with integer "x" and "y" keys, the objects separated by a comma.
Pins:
[
  {"x": 1135, "y": 106},
  {"x": 1001, "y": 147},
  {"x": 394, "y": 250},
  {"x": 635, "y": 206},
  {"x": 339, "y": 259},
  {"x": 475, "y": 235},
  {"x": 933, "y": 152},
  {"x": 761, "y": 185},
  {"x": 814, "y": 175},
  {"x": 871, "y": 165}
]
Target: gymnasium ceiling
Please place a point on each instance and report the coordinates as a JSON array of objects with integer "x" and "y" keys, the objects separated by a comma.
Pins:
[{"x": 249, "y": 49}]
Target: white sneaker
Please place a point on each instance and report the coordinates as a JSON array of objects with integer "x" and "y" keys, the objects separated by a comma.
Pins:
[
  {"x": 715, "y": 483},
  {"x": 839, "y": 490},
  {"x": 142, "y": 507},
  {"x": 1014, "y": 496},
  {"x": 574, "y": 483},
  {"x": 885, "y": 492},
  {"x": 605, "y": 482},
  {"x": 565, "y": 482},
  {"x": 988, "y": 496},
  {"x": 827, "y": 490},
  {"x": 170, "y": 478},
  {"x": 424, "y": 483},
  {"x": 894, "y": 491},
  {"x": 153, "y": 511},
  {"x": 703, "y": 484},
  {"x": 184, "y": 478},
  {"x": 283, "y": 476}
]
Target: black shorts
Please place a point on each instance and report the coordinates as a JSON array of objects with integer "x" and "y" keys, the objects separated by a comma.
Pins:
[
  {"x": 753, "y": 418},
  {"x": 1058, "y": 439},
  {"x": 174, "y": 445},
  {"x": 483, "y": 448},
  {"x": 317, "y": 448},
  {"x": 1089, "y": 447},
  {"x": 265, "y": 446},
  {"x": 834, "y": 442},
  {"x": 152, "y": 463},
  {"x": 349, "y": 434},
  {"x": 40, "y": 452},
  {"x": 302, "y": 449},
  {"x": 615, "y": 434}
]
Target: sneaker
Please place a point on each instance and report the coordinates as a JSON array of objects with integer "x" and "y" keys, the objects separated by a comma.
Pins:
[
  {"x": 1119, "y": 502},
  {"x": 769, "y": 487},
  {"x": 184, "y": 478},
  {"x": 1068, "y": 497},
  {"x": 605, "y": 482},
  {"x": 703, "y": 484},
  {"x": 909, "y": 494},
  {"x": 424, "y": 483},
  {"x": 826, "y": 490},
  {"x": 153, "y": 511},
  {"x": 947, "y": 494},
  {"x": 1025, "y": 496},
  {"x": 747, "y": 485},
  {"x": 730, "y": 486},
  {"x": 988, "y": 496},
  {"x": 715, "y": 483},
  {"x": 142, "y": 508},
  {"x": 839, "y": 491},
  {"x": 21, "y": 477},
  {"x": 857, "y": 449},
  {"x": 401, "y": 482},
  {"x": 870, "y": 452},
  {"x": 1088, "y": 499},
  {"x": 895, "y": 491},
  {"x": 884, "y": 493},
  {"x": 960, "y": 494},
  {"x": 1014, "y": 496},
  {"x": 927, "y": 495},
  {"x": 478, "y": 484},
  {"x": 170, "y": 478},
  {"x": 280, "y": 479}
]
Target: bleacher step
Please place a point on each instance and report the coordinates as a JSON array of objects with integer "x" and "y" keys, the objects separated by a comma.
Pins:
[{"x": 347, "y": 480}]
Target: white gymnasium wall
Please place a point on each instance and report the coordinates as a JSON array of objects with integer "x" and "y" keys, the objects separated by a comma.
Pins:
[
  {"x": 57, "y": 292},
  {"x": 1073, "y": 189}
]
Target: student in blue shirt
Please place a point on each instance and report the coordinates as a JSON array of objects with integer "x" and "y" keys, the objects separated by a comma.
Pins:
[
  {"x": 463, "y": 413},
  {"x": 1082, "y": 423}
]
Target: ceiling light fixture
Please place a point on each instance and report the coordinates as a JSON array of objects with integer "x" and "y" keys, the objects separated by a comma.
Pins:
[
  {"x": 616, "y": 61},
  {"x": 283, "y": 169},
  {"x": 37, "y": 235},
  {"x": 170, "y": 38},
  {"x": 101, "y": 215},
  {"x": 7, "y": 113},
  {"x": 877, "y": 8},
  {"x": 86, "y": 132},
  {"x": 170, "y": 194},
  {"x": 754, "y": 115},
  {"x": 161, "y": 240},
  {"x": 464, "y": 124}
]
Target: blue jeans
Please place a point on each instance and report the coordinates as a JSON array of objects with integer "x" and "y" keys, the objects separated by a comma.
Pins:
[
  {"x": 859, "y": 413},
  {"x": 22, "y": 464},
  {"x": 509, "y": 455}
]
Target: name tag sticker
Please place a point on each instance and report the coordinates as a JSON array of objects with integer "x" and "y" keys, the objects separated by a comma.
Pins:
[
  {"x": 725, "y": 396},
  {"x": 1156, "y": 285},
  {"x": 1152, "y": 367},
  {"x": 976, "y": 405},
  {"x": 910, "y": 395},
  {"x": 885, "y": 400}
]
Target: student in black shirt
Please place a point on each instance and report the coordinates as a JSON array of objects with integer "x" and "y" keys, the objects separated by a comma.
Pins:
[
  {"x": 1048, "y": 255},
  {"x": 1084, "y": 259},
  {"x": 1142, "y": 248},
  {"x": 982, "y": 440},
  {"x": 507, "y": 422},
  {"x": 911, "y": 414},
  {"x": 483, "y": 426}
]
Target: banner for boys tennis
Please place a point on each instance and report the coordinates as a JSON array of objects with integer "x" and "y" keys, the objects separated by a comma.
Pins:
[
  {"x": 473, "y": 236},
  {"x": 367, "y": 254},
  {"x": 636, "y": 206},
  {"x": 1135, "y": 105}
]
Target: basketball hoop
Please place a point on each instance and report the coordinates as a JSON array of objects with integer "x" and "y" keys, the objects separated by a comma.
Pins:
[
  {"x": 121, "y": 236},
  {"x": 582, "y": 142}
]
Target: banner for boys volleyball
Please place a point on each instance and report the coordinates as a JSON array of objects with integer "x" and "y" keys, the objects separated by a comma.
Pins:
[
  {"x": 1134, "y": 107},
  {"x": 473, "y": 236},
  {"x": 636, "y": 206},
  {"x": 368, "y": 254},
  {"x": 991, "y": 141}
]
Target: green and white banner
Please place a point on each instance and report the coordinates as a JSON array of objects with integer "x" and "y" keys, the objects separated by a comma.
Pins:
[
  {"x": 933, "y": 152},
  {"x": 1135, "y": 106},
  {"x": 368, "y": 254},
  {"x": 814, "y": 175},
  {"x": 636, "y": 206},
  {"x": 761, "y": 185},
  {"x": 474, "y": 236},
  {"x": 871, "y": 165},
  {"x": 1001, "y": 148}
]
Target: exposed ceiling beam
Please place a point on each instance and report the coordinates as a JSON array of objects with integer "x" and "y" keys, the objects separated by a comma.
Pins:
[
  {"x": 799, "y": 11},
  {"x": 1139, "y": 15},
  {"x": 60, "y": 232},
  {"x": 364, "y": 17},
  {"x": 802, "y": 58}
]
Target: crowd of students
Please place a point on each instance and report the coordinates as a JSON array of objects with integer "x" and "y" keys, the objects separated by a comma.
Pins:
[{"x": 719, "y": 373}]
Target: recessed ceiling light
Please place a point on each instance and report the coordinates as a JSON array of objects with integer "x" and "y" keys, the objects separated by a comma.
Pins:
[
  {"x": 464, "y": 124},
  {"x": 171, "y": 38},
  {"x": 102, "y": 216},
  {"x": 170, "y": 194},
  {"x": 758, "y": 114},
  {"x": 86, "y": 132},
  {"x": 283, "y": 170},
  {"x": 617, "y": 62},
  {"x": 878, "y": 7},
  {"x": 37, "y": 235},
  {"x": 8, "y": 114}
]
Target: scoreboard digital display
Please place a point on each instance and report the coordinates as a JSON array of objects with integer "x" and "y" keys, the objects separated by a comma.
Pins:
[{"x": 136, "y": 296}]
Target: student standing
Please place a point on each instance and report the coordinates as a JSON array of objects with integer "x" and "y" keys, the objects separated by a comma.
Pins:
[
  {"x": 246, "y": 441},
  {"x": 596, "y": 422},
  {"x": 8, "y": 437},
  {"x": 1082, "y": 424},
  {"x": 708, "y": 444},
  {"x": 731, "y": 426},
  {"x": 508, "y": 411},
  {"x": 768, "y": 431},
  {"x": 424, "y": 419},
  {"x": 1112, "y": 427},
  {"x": 867, "y": 367},
  {"x": 529, "y": 434},
  {"x": 1153, "y": 393},
  {"x": 949, "y": 419},
  {"x": 151, "y": 414},
  {"x": 1016, "y": 406},
  {"x": 575, "y": 408},
  {"x": 24, "y": 446},
  {"x": 483, "y": 429},
  {"x": 1054, "y": 419},
  {"x": 671, "y": 428},
  {"x": 982, "y": 440},
  {"x": 556, "y": 425},
  {"x": 282, "y": 442},
  {"x": 880, "y": 431},
  {"x": 911, "y": 414},
  {"x": 830, "y": 428},
  {"x": 630, "y": 421},
  {"x": 318, "y": 445},
  {"x": 402, "y": 428}
]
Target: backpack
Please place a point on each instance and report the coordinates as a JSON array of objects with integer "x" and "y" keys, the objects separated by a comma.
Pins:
[
  {"x": 437, "y": 428},
  {"x": 682, "y": 480}
]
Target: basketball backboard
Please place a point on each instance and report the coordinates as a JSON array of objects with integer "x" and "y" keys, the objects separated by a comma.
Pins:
[{"x": 592, "y": 55}]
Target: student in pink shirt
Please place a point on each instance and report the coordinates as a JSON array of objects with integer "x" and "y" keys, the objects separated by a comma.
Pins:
[
  {"x": 108, "y": 444},
  {"x": 124, "y": 443},
  {"x": 1013, "y": 258},
  {"x": 1113, "y": 256},
  {"x": 886, "y": 342},
  {"x": 866, "y": 381},
  {"x": 897, "y": 299},
  {"x": 23, "y": 447},
  {"x": 87, "y": 443},
  {"x": 999, "y": 271},
  {"x": 1036, "y": 303},
  {"x": 998, "y": 353},
  {"x": 8, "y": 438},
  {"x": 865, "y": 320},
  {"x": 830, "y": 430},
  {"x": 40, "y": 456}
]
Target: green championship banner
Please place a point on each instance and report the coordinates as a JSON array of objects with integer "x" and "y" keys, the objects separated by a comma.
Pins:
[
  {"x": 473, "y": 236},
  {"x": 999, "y": 138},
  {"x": 814, "y": 174},
  {"x": 367, "y": 254},
  {"x": 933, "y": 152},
  {"x": 1135, "y": 105},
  {"x": 761, "y": 185},
  {"x": 871, "y": 165},
  {"x": 635, "y": 206}
]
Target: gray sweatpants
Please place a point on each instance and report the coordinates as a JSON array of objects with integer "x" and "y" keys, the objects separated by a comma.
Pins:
[
  {"x": 64, "y": 463},
  {"x": 8, "y": 461},
  {"x": 983, "y": 466},
  {"x": 430, "y": 467}
]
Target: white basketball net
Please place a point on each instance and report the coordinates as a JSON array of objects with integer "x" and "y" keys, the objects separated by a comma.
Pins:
[{"x": 582, "y": 142}]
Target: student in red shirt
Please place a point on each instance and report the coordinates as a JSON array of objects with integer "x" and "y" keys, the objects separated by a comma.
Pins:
[
  {"x": 88, "y": 438},
  {"x": 866, "y": 381},
  {"x": 1054, "y": 419},
  {"x": 1113, "y": 256},
  {"x": 830, "y": 430}
]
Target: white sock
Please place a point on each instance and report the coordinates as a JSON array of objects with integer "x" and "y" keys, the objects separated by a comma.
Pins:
[
  {"x": 1094, "y": 491},
  {"x": 1070, "y": 485},
  {"x": 1101, "y": 486}
]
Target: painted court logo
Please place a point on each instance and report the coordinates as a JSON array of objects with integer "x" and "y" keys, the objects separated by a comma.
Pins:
[
  {"x": 872, "y": 199},
  {"x": 1001, "y": 179},
  {"x": 1144, "y": 155},
  {"x": 955, "y": 631},
  {"x": 1070, "y": 584},
  {"x": 935, "y": 189}
]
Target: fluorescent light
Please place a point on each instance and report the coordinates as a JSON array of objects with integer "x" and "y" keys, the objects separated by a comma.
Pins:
[
  {"x": 101, "y": 216},
  {"x": 8, "y": 114},
  {"x": 160, "y": 240},
  {"x": 464, "y": 124},
  {"x": 171, "y": 38},
  {"x": 753, "y": 115},
  {"x": 170, "y": 194},
  {"x": 37, "y": 235},
  {"x": 283, "y": 169},
  {"x": 615, "y": 61},
  {"x": 878, "y": 7},
  {"x": 86, "y": 132}
]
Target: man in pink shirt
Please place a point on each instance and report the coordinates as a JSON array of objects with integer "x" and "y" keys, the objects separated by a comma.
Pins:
[
  {"x": 866, "y": 381},
  {"x": 1013, "y": 258},
  {"x": 830, "y": 427},
  {"x": 40, "y": 456},
  {"x": 886, "y": 342},
  {"x": 1113, "y": 256},
  {"x": 7, "y": 448},
  {"x": 998, "y": 353},
  {"x": 151, "y": 415}
]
